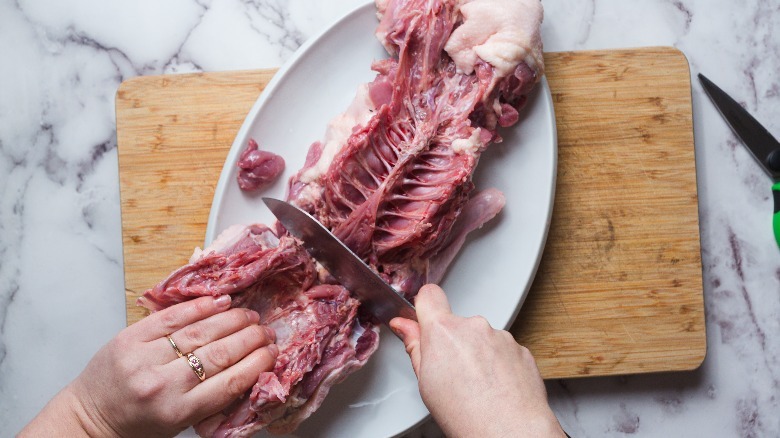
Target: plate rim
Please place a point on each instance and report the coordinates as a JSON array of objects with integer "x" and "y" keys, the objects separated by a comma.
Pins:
[{"x": 543, "y": 89}]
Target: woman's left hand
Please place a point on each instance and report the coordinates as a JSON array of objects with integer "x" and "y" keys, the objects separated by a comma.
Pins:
[{"x": 137, "y": 385}]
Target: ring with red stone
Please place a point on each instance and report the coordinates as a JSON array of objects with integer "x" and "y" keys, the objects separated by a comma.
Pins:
[{"x": 197, "y": 366}]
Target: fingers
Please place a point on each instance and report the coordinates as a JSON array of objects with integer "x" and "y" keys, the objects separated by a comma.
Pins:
[
  {"x": 409, "y": 331},
  {"x": 169, "y": 320},
  {"x": 431, "y": 303},
  {"x": 219, "y": 391},
  {"x": 215, "y": 327},
  {"x": 222, "y": 354}
]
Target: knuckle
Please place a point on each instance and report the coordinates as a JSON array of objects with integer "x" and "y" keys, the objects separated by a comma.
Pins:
[
  {"x": 194, "y": 335},
  {"x": 219, "y": 356},
  {"x": 202, "y": 307},
  {"x": 410, "y": 347},
  {"x": 145, "y": 386},
  {"x": 236, "y": 386},
  {"x": 169, "y": 320},
  {"x": 524, "y": 351},
  {"x": 506, "y": 336},
  {"x": 480, "y": 323}
]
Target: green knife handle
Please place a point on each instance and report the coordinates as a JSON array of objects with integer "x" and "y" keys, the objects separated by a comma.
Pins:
[{"x": 776, "y": 215}]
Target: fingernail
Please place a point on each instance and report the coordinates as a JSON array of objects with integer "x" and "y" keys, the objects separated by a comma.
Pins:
[
  {"x": 273, "y": 349},
  {"x": 223, "y": 301},
  {"x": 394, "y": 327},
  {"x": 271, "y": 333},
  {"x": 252, "y": 316}
]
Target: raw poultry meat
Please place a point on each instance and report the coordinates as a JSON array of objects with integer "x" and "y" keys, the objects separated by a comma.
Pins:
[
  {"x": 257, "y": 168},
  {"x": 392, "y": 179},
  {"x": 398, "y": 181}
]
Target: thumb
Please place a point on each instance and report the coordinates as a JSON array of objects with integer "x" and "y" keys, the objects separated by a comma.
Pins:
[
  {"x": 409, "y": 332},
  {"x": 209, "y": 425},
  {"x": 431, "y": 304}
]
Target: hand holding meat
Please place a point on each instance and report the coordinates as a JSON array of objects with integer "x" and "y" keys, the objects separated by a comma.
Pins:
[
  {"x": 475, "y": 380},
  {"x": 175, "y": 368}
]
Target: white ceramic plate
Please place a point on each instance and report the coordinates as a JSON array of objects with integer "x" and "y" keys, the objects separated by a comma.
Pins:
[{"x": 495, "y": 268}]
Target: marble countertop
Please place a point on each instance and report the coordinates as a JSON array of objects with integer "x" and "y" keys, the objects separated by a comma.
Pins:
[{"x": 61, "y": 269}]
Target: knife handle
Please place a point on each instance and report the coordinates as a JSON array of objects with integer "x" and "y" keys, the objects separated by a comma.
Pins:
[{"x": 776, "y": 214}]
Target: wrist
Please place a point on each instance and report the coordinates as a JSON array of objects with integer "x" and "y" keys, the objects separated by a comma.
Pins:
[
  {"x": 505, "y": 425},
  {"x": 59, "y": 417},
  {"x": 539, "y": 424},
  {"x": 87, "y": 413},
  {"x": 546, "y": 425}
]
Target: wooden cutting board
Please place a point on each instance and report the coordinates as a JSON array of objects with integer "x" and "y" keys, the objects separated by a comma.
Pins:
[{"x": 619, "y": 288}]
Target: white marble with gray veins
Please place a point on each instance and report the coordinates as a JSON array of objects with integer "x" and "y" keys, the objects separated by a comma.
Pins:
[{"x": 61, "y": 274}]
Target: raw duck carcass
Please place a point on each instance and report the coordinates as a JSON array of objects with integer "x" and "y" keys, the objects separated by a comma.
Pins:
[{"x": 392, "y": 179}]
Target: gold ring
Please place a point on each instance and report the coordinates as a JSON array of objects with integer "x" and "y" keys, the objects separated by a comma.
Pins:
[
  {"x": 197, "y": 366},
  {"x": 173, "y": 344}
]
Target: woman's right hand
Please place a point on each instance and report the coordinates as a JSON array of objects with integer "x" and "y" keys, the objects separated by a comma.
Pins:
[{"x": 475, "y": 380}]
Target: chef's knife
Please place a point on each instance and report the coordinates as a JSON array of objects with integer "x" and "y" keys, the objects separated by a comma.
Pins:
[
  {"x": 764, "y": 147},
  {"x": 378, "y": 297}
]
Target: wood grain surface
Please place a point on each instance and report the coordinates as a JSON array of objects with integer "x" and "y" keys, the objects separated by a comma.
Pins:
[{"x": 619, "y": 288}]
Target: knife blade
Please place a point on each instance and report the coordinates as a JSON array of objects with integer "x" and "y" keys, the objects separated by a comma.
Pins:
[
  {"x": 761, "y": 144},
  {"x": 764, "y": 147},
  {"x": 378, "y": 297}
]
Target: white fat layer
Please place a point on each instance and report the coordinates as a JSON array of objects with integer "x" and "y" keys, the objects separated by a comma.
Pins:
[
  {"x": 339, "y": 129},
  {"x": 283, "y": 330},
  {"x": 467, "y": 145},
  {"x": 502, "y": 33},
  {"x": 226, "y": 238},
  {"x": 381, "y": 7}
]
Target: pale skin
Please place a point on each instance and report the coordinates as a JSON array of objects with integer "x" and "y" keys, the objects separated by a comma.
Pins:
[
  {"x": 475, "y": 380},
  {"x": 137, "y": 386}
]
